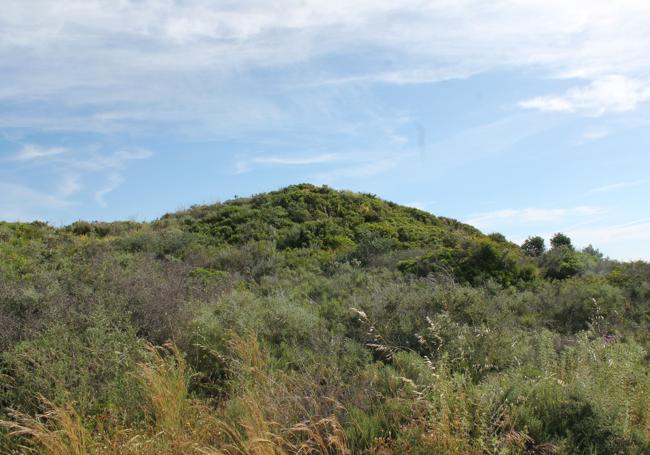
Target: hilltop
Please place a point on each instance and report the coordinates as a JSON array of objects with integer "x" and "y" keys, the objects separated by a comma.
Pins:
[
  {"x": 342, "y": 226},
  {"x": 308, "y": 216}
]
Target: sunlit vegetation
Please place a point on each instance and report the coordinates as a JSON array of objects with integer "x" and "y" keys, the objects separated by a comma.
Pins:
[{"x": 309, "y": 321}]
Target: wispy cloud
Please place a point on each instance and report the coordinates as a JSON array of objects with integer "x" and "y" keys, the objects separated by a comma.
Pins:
[
  {"x": 21, "y": 203},
  {"x": 113, "y": 182},
  {"x": 298, "y": 161},
  {"x": 327, "y": 167},
  {"x": 401, "y": 77},
  {"x": 69, "y": 185},
  {"x": 189, "y": 64},
  {"x": 112, "y": 165},
  {"x": 502, "y": 218},
  {"x": 629, "y": 240},
  {"x": 94, "y": 161},
  {"x": 31, "y": 152},
  {"x": 594, "y": 134},
  {"x": 617, "y": 186},
  {"x": 363, "y": 170},
  {"x": 635, "y": 230},
  {"x": 604, "y": 95},
  {"x": 68, "y": 170},
  {"x": 247, "y": 164}
]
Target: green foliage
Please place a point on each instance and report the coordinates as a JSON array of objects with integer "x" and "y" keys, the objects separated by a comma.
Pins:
[
  {"x": 304, "y": 216},
  {"x": 309, "y": 320},
  {"x": 560, "y": 240},
  {"x": 591, "y": 251},
  {"x": 562, "y": 262},
  {"x": 534, "y": 246},
  {"x": 582, "y": 402},
  {"x": 475, "y": 261},
  {"x": 89, "y": 366}
]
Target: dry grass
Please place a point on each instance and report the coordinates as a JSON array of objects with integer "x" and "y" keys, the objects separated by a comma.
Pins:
[
  {"x": 177, "y": 424},
  {"x": 274, "y": 413},
  {"x": 165, "y": 380},
  {"x": 59, "y": 431}
]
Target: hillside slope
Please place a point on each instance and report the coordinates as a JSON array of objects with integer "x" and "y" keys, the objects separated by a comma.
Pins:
[
  {"x": 310, "y": 320},
  {"x": 302, "y": 216},
  {"x": 359, "y": 226}
]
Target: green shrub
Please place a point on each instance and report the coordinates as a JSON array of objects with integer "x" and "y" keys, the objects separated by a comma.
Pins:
[{"x": 91, "y": 368}]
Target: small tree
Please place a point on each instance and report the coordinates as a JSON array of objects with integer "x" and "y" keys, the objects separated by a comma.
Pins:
[
  {"x": 562, "y": 262},
  {"x": 590, "y": 250},
  {"x": 533, "y": 246},
  {"x": 560, "y": 240}
]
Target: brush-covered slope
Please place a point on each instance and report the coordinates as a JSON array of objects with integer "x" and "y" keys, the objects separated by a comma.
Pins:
[
  {"x": 308, "y": 216},
  {"x": 309, "y": 320},
  {"x": 359, "y": 226}
]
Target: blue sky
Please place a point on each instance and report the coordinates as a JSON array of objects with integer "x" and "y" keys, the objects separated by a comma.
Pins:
[{"x": 520, "y": 117}]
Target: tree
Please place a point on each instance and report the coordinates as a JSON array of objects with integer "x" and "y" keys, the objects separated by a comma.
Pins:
[
  {"x": 533, "y": 246},
  {"x": 562, "y": 262},
  {"x": 590, "y": 250},
  {"x": 560, "y": 240}
]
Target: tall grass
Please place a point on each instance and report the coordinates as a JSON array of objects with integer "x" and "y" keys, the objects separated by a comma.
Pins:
[
  {"x": 178, "y": 424},
  {"x": 59, "y": 431},
  {"x": 590, "y": 396}
]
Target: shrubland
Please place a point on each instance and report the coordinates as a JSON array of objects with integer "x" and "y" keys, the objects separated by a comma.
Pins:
[{"x": 308, "y": 321}]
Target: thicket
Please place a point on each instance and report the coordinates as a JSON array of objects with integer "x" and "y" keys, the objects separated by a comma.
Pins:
[{"x": 309, "y": 321}]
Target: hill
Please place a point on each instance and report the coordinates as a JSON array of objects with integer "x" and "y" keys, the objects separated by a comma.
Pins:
[
  {"x": 307, "y": 216},
  {"x": 310, "y": 320},
  {"x": 361, "y": 226}
]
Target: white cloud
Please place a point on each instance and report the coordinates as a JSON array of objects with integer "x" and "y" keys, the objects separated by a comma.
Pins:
[
  {"x": 68, "y": 168},
  {"x": 636, "y": 230},
  {"x": 20, "y": 203},
  {"x": 553, "y": 104},
  {"x": 245, "y": 165},
  {"x": 69, "y": 185},
  {"x": 400, "y": 77},
  {"x": 33, "y": 152},
  {"x": 609, "y": 94},
  {"x": 113, "y": 164},
  {"x": 102, "y": 162},
  {"x": 593, "y": 134},
  {"x": 114, "y": 182},
  {"x": 363, "y": 170},
  {"x": 298, "y": 161},
  {"x": 101, "y": 65},
  {"x": 617, "y": 186},
  {"x": 341, "y": 165}
]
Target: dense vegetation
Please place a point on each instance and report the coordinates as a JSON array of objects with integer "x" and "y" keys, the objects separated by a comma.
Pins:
[{"x": 309, "y": 320}]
